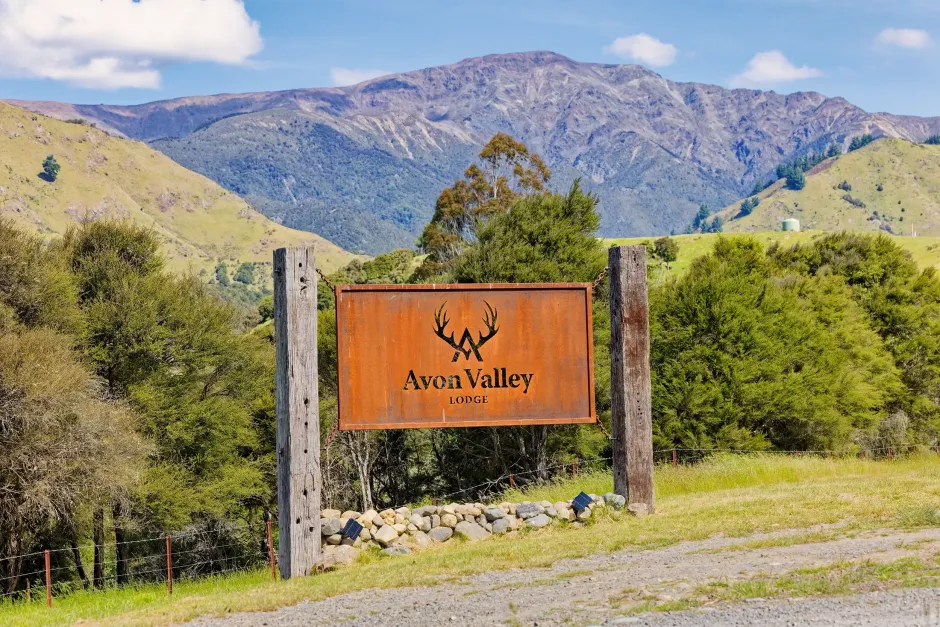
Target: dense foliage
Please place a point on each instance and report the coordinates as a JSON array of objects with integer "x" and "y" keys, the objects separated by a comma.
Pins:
[{"x": 134, "y": 400}]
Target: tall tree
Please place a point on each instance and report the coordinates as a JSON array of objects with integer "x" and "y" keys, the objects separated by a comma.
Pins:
[{"x": 506, "y": 170}]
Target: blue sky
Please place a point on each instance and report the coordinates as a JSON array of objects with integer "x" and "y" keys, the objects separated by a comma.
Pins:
[{"x": 880, "y": 54}]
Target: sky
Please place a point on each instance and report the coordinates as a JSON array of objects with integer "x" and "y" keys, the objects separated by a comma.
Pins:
[{"x": 882, "y": 55}]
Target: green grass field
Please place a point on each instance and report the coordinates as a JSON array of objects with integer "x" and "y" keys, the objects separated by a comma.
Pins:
[
  {"x": 924, "y": 250},
  {"x": 897, "y": 182},
  {"x": 732, "y": 495}
]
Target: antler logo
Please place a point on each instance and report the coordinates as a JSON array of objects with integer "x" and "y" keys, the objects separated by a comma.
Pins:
[{"x": 440, "y": 326}]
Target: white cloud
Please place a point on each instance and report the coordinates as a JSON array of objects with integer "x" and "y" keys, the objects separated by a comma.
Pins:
[
  {"x": 644, "y": 48},
  {"x": 769, "y": 68},
  {"x": 904, "y": 38},
  {"x": 343, "y": 76},
  {"x": 109, "y": 44}
]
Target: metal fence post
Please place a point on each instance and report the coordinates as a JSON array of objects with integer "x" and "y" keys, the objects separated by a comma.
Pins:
[
  {"x": 169, "y": 565},
  {"x": 48, "y": 579}
]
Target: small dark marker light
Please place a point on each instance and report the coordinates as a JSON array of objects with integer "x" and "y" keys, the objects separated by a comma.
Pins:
[
  {"x": 580, "y": 502},
  {"x": 352, "y": 529}
]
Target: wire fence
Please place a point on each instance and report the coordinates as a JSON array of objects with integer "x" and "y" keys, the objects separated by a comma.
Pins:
[{"x": 241, "y": 547}]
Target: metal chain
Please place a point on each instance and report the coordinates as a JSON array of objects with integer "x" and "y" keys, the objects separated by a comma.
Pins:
[
  {"x": 329, "y": 283},
  {"x": 600, "y": 277},
  {"x": 334, "y": 431},
  {"x": 603, "y": 428}
]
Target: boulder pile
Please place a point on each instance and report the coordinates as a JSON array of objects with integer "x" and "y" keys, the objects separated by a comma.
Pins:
[{"x": 399, "y": 531}]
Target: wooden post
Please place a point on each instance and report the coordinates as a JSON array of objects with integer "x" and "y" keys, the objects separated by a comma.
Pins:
[
  {"x": 270, "y": 531},
  {"x": 298, "y": 420},
  {"x": 48, "y": 580},
  {"x": 675, "y": 461},
  {"x": 512, "y": 481},
  {"x": 169, "y": 566},
  {"x": 631, "y": 409}
]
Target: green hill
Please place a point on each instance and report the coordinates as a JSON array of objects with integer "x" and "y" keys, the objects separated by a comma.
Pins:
[
  {"x": 103, "y": 176},
  {"x": 924, "y": 250},
  {"x": 890, "y": 185}
]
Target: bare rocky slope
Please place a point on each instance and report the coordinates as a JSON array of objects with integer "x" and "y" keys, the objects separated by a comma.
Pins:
[{"x": 362, "y": 165}]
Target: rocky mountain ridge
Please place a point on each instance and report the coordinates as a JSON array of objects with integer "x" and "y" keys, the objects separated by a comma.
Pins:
[{"x": 363, "y": 164}]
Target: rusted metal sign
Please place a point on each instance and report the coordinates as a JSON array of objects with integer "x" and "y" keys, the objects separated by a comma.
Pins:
[{"x": 418, "y": 356}]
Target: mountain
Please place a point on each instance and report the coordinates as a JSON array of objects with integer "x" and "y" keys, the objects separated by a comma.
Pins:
[
  {"x": 104, "y": 176},
  {"x": 890, "y": 185},
  {"x": 362, "y": 165}
]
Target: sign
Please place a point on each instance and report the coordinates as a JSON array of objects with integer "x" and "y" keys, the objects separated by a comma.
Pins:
[{"x": 420, "y": 356}]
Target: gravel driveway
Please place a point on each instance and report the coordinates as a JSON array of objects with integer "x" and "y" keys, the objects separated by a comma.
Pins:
[{"x": 591, "y": 590}]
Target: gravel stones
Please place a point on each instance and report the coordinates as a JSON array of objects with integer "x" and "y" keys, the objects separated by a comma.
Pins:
[
  {"x": 470, "y": 531},
  {"x": 441, "y": 534}
]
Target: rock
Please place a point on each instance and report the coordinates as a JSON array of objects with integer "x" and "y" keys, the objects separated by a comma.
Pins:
[
  {"x": 514, "y": 522},
  {"x": 416, "y": 520},
  {"x": 411, "y": 528},
  {"x": 365, "y": 535},
  {"x": 463, "y": 509},
  {"x": 400, "y": 528},
  {"x": 488, "y": 527},
  {"x": 435, "y": 521},
  {"x": 541, "y": 520},
  {"x": 506, "y": 507},
  {"x": 425, "y": 525},
  {"x": 366, "y": 519},
  {"x": 551, "y": 512},
  {"x": 334, "y": 539},
  {"x": 403, "y": 511},
  {"x": 350, "y": 514},
  {"x": 615, "y": 500},
  {"x": 356, "y": 542},
  {"x": 470, "y": 531},
  {"x": 378, "y": 521},
  {"x": 449, "y": 520},
  {"x": 387, "y": 513},
  {"x": 330, "y": 513},
  {"x": 421, "y": 540},
  {"x": 385, "y": 535},
  {"x": 638, "y": 509},
  {"x": 512, "y": 509},
  {"x": 427, "y": 510},
  {"x": 331, "y": 525},
  {"x": 400, "y": 519},
  {"x": 450, "y": 508},
  {"x": 475, "y": 511},
  {"x": 338, "y": 556},
  {"x": 493, "y": 513},
  {"x": 529, "y": 510},
  {"x": 561, "y": 507},
  {"x": 545, "y": 504},
  {"x": 481, "y": 520},
  {"x": 501, "y": 525},
  {"x": 441, "y": 534},
  {"x": 584, "y": 514},
  {"x": 397, "y": 550},
  {"x": 595, "y": 498}
]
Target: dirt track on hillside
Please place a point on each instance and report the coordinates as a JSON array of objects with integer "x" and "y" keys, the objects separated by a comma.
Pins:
[{"x": 597, "y": 590}]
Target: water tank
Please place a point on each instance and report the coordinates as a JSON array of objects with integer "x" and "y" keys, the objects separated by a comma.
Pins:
[{"x": 791, "y": 224}]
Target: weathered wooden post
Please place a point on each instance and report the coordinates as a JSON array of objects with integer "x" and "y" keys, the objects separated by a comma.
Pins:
[
  {"x": 298, "y": 420},
  {"x": 631, "y": 410}
]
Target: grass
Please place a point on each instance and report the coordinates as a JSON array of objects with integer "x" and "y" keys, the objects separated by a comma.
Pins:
[
  {"x": 908, "y": 175},
  {"x": 730, "y": 495},
  {"x": 104, "y": 176},
  {"x": 924, "y": 250}
]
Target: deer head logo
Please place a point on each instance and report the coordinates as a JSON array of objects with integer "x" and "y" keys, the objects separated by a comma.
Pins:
[{"x": 440, "y": 327}]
